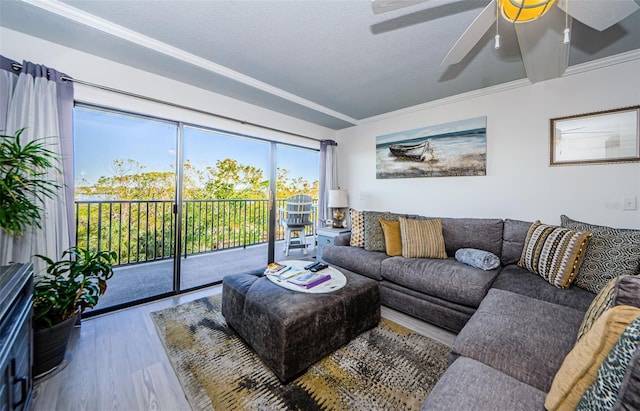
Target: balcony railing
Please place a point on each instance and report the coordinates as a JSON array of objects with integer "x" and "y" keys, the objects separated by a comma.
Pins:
[{"x": 144, "y": 230}]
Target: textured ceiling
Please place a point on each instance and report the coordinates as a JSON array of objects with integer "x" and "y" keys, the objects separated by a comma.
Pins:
[{"x": 329, "y": 62}]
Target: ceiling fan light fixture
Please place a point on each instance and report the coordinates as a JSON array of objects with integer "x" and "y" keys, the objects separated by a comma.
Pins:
[{"x": 522, "y": 11}]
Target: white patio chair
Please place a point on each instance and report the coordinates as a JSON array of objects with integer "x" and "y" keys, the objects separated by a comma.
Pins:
[{"x": 295, "y": 218}]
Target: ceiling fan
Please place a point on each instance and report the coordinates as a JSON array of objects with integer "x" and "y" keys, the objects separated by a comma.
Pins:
[{"x": 543, "y": 41}]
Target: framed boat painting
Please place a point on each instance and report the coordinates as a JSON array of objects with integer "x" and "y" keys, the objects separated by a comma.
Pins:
[
  {"x": 610, "y": 136},
  {"x": 458, "y": 148}
]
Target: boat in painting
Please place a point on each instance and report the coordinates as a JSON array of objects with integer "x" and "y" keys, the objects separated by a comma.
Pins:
[{"x": 415, "y": 151}]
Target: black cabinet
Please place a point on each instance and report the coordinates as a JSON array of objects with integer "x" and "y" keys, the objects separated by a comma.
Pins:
[{"x": 16, "y": 336}]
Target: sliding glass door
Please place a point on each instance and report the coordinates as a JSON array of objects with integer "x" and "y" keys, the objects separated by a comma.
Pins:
[
  {"x": 125, "y": 191},
  {"x": 225, "y": 205},
  {"x": 297, "y": 173},
  {"x": 182, "y": 206}
]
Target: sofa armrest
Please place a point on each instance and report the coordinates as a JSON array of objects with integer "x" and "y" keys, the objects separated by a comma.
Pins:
[{"x": 342, "y": 239}]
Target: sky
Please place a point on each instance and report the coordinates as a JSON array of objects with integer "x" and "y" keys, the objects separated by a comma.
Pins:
[
  {"x": 460, "y": 125},
  {"x": 101, "y": 137}
]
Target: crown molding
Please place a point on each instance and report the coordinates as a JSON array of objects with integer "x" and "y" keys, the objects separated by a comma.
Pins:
[
  {"x": 604, "y": 62},
  {"x": 105, "y": 26},
  {"x": 621, "y": 58}
]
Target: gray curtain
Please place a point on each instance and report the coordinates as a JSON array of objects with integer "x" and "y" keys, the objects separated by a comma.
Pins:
[
  {"x": 36, "y": 98},
  {"x": 328, "y": 177}
]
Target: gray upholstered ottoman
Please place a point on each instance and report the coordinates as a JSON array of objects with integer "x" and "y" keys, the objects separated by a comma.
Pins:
[{"x": 291, "y": 330}]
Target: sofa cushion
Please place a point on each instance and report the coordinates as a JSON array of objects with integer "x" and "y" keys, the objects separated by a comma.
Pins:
[
  {"x": 481, "y": 233},
  {"x": 603, "y": 393},
  {"x": 514, "y": 236},
  {"x": 373, "y": 235},
  {"x": 357, "y": 228},
  {"x": 611, "y": 252},
  {"x": 580, "y": 367},
  {"x": 447, "y": 279},
  {"x": 554, "y": 252},
  {"x": 518, "y": 280},
  {"x": 422, "y": 238},
  {"x": 442, "y": 313},
  {"x": 355, "y": 259},
  {"x": 392, "y": 237},
  {"x": 471, "y": 385},
  {"x": 520, "y": 336}
]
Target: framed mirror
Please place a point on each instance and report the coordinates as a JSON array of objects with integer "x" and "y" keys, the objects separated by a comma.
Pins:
[{"x": 610, "y": 136}]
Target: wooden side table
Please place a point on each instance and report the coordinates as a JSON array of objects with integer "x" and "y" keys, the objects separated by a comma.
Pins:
[{"x": 325, "y": 237}]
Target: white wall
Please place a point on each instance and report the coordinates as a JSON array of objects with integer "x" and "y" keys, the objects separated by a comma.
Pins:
[
  {"x": 519, "y": 183},
  {"x": 86, "y": 67}
]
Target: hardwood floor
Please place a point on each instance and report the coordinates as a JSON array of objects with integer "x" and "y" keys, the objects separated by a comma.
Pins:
[{"x": 118, "y": 363}]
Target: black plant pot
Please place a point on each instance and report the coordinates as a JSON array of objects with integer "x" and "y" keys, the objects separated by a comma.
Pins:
[{"x": 50, "y": 345}]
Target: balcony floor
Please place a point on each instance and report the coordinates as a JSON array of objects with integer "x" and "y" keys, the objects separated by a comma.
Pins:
[{"x": 144, "y": 280}]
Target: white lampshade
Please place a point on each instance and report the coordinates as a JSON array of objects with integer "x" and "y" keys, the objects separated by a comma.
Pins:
[{"x": 338, "y": 199}]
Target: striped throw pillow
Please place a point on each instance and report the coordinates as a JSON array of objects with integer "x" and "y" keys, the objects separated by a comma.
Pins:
[
  {"x": 553, "y": 252},
  {"x": 357, "y": 228},
  {"x": 600, "y": 304},
  {"x": 422, "y": 238}
]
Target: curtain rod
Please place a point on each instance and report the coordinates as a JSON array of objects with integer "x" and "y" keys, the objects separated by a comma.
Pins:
[{"x": 18, "y": 67}]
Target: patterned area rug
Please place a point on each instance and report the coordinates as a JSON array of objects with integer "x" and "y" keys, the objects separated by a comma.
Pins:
[{"x": 388, "y": 367}]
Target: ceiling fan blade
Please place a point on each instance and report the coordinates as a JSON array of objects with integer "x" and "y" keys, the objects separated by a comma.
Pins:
[
  {"x": 544, "y": 54},
  {"x": 599, "y": 14},
  {"x": 382, "y": 6},
  {"x": 471, "y": 35}
]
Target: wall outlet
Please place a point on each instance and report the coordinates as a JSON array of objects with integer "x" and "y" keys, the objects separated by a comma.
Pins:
[{"x": 630, "y": 203}]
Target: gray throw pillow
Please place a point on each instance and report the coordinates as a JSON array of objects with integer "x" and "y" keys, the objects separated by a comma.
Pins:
[
  {"x": 373, "y": 234},
  {"x": 611, "y": 252},
  {"x": 627, "y": 291}
]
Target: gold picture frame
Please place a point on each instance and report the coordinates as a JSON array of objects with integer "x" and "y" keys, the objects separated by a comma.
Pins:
[{"x": 610, "y": 136}]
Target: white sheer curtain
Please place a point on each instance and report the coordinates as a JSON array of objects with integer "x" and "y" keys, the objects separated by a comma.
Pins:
[
  {"x": 33, "y": 101},
  {"x": 328, "y": 176}
]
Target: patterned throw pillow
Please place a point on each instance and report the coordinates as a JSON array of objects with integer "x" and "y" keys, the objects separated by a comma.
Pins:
[
  {"x": 603, "y": 393},
  {"x": 373, "y": 235},
  {"x": 392, "y": 238},
  {"x": 623, "y": 290},
  {"x": 611, "y": 252},
  {"x": 422, "y": 238},
  {"x": 600, "y": 304},
  {"x": 629, "y": 393},
  {"x": 580, "y": 367},
  {"x": 554, "y": 252},
  {"x": 357, "y": 228}
]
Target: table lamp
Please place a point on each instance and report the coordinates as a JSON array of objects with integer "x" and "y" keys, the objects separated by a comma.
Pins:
[{"x": 338, "y": 201}]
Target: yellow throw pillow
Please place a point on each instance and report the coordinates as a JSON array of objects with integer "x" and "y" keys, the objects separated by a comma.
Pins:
[
  {"x": 580, "y": 367},
  {"x": 422, "y": 238},
  {"x": 392, "y": 238}
]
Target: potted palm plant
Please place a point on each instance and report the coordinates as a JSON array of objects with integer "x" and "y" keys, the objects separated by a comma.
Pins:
[
  {"x": 23, "y": 183},
  {"x": 70, "y": 285}
]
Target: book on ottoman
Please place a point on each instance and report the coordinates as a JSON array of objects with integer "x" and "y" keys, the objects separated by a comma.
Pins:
[
  {"x": 309, "y": 280},
  {"x": 276, "y": 268}
]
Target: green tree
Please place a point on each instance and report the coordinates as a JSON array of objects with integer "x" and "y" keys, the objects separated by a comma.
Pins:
[{"x": 229, "y": 179}]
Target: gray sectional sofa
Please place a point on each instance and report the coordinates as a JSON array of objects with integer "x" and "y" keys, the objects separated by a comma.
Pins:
[
  {"x": 515, "y": 328},
  {"x": 447, "y": 292}
]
